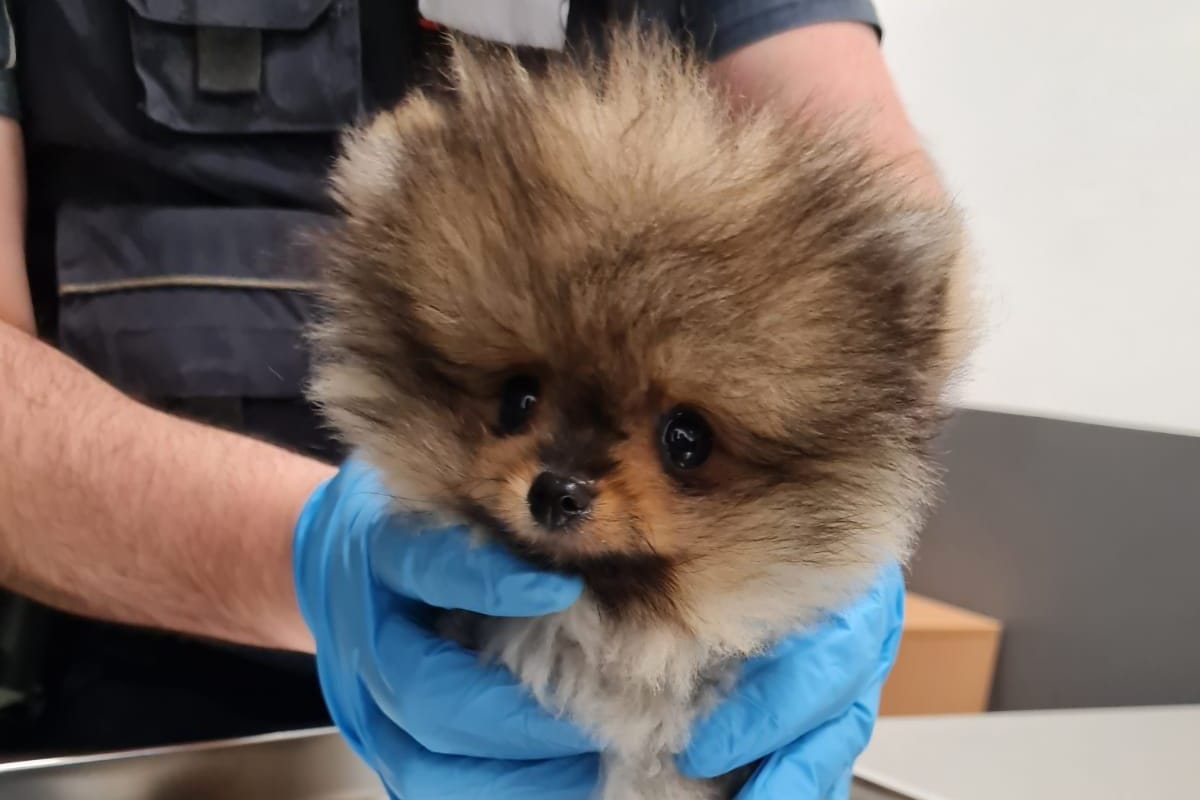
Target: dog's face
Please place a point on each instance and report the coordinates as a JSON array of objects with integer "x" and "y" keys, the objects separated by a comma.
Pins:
[{"x": 696, "y": 360}]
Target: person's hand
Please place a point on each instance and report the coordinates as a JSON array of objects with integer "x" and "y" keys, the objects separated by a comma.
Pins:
[
  {"x": 434, "y": 722},
  {"x": 808, "y": 707},
  {"x": 425, "y": 714}
]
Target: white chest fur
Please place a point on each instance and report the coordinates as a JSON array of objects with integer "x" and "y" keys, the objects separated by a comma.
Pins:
[{"x": 637, "y": 690}]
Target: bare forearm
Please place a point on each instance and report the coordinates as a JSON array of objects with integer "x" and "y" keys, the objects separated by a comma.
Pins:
[
  {"x": 112, "y": 509},
  {"x": 831, "y": 71},
  {"x": 15, "y": 306}
]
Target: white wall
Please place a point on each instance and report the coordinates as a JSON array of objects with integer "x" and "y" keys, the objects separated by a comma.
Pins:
[{"x": 1070, "y": 132}]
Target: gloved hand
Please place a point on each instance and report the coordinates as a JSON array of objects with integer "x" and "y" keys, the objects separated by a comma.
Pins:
[
  {"x": 807, "y": 707},
  {"x": 425, "y": 714},
  {"x": 435, "y": 723}
]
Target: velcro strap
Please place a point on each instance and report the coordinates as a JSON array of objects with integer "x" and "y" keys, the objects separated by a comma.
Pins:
[{"x": 228, "y": 60}]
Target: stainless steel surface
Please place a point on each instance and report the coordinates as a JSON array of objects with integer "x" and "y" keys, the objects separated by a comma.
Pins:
[{"x": 302, "y": 765}]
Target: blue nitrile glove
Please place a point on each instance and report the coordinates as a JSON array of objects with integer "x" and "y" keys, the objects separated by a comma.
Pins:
[
  {"x": 434, "y": 723},
  {"x": 808, "y": 707},
  {"x": 425, "y": 714}
]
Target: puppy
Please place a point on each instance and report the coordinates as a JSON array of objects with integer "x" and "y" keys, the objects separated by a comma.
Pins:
[{"x": 693, "y": 354}]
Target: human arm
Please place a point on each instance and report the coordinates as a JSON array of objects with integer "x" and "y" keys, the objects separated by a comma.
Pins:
[
  {"x": 830, "y": 71},
  {"x": 15, "y": 306},
  {"x": 111, "y": 509}
]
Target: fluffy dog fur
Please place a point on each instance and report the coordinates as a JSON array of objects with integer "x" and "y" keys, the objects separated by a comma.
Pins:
[{"x": 613, "y": 229}]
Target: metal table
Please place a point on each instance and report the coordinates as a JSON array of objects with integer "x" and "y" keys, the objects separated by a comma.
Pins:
[{"x": 301, "y": 765}]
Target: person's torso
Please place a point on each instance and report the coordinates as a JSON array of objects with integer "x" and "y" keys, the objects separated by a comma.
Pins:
[{"x": 176, "y": 149}]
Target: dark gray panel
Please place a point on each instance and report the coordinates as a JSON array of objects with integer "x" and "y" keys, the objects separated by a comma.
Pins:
[
  {"x": 1085, "y": 541},
  {"x": 862, "y": 790}
]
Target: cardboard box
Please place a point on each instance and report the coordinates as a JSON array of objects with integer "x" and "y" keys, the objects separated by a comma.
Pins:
[{"x": 946, "y": 662}]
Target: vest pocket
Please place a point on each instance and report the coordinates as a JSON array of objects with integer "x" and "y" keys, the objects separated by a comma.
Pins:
[
  {"x": 248, "y": 66},
  {"x": 179, "y": 303}
]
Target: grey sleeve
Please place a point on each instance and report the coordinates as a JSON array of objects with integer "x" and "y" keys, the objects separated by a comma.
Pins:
[
  {"x": 722, "y": 26},
  {"x": 9, "y": 100}
]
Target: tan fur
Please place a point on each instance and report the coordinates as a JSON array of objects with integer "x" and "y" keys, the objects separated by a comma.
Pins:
[{"x": 615, "y": 229}]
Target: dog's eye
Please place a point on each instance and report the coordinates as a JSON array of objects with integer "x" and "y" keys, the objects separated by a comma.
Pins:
[
  {"x": 517, "y": 401},
  {"x": 686, "y": 439}
]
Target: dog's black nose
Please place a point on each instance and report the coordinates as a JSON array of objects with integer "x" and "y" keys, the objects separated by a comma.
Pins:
[{"x": 556, "y": 501}]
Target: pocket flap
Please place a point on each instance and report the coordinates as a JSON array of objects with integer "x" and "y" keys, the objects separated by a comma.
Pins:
[
  {"x": 248, "y": 66},
  {"x": 279, "y": 15},
  {"x": 184, "y": 303}
]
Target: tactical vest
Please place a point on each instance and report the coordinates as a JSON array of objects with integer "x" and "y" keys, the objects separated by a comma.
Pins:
[{"x": 174, "y": 149}]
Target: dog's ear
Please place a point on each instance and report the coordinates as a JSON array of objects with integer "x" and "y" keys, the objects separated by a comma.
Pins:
[
  {"x": 378, "y": 160},
  {"x": 926, "y": 250},
  {"x": 375, "y": 158}
]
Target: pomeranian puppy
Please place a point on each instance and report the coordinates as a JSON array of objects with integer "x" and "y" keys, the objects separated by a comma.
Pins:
[{"x": 693, "y": 354}]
